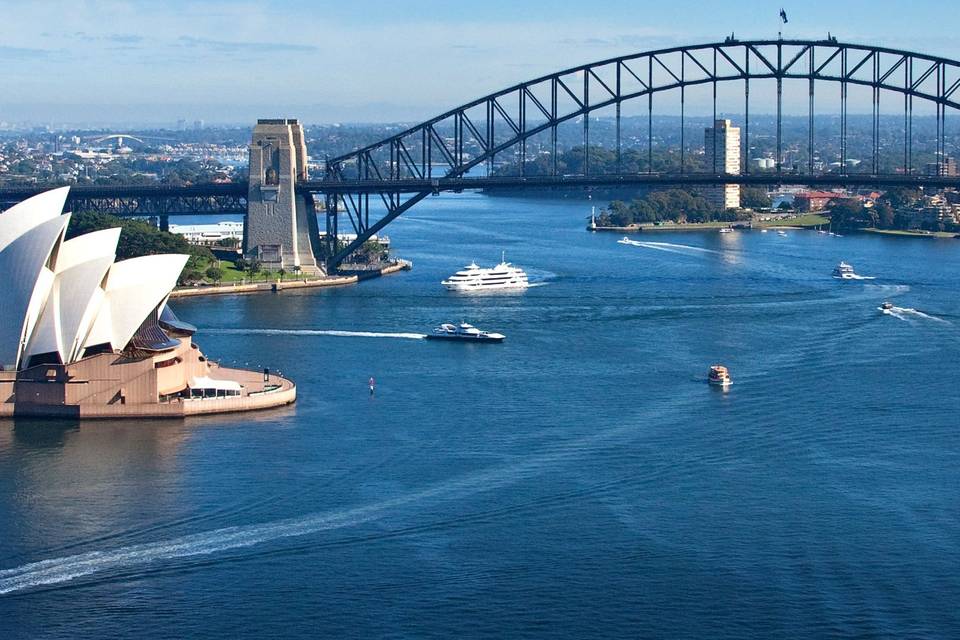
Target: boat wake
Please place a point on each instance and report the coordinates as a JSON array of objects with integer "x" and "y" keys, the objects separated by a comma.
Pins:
[
  {"x": 669, "y": 247},
  {"x": 908, "y": 314},
  {"x": 67, "y": 568},
  {"x": 316, "y": 332},
  {"x": 684, "y": 246},
  {"x": 854, "y": 276}
]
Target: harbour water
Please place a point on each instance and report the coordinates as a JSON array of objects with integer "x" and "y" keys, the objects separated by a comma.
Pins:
[{"x": 579, "y": 480}]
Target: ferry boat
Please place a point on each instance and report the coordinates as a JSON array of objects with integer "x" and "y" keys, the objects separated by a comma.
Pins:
[
  {"x": 463, "y": 332},
  {"x": 844, "y": 271},
  {"x": 719, "y": 376},
  {"x": 474, "y": 278}
]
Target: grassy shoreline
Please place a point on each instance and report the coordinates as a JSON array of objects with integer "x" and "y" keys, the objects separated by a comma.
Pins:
[
  {"x": 909, "y": 234},
  {"x": 799, "y": 222}
]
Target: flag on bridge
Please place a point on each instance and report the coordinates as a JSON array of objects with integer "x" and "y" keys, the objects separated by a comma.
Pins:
[{"x": 783, "y": 16}]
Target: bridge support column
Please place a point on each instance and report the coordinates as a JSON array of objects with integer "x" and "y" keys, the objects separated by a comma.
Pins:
[
  {"x": 278, "y": 228},
  {"x": 164, "y": 223}
]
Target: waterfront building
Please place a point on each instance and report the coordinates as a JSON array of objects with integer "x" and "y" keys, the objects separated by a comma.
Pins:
[
  {"x": 82, "y": 335},
  {"x": 809, "y": 201},
  {"x": 722, "y": 149},
  {"x": 947, "y": 167},
  {"x": 209, "y": 235},
  {"x": 929, "y": 212}
]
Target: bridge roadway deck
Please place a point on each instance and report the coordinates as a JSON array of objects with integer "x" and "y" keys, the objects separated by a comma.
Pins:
[
  {"x": 639, "y": 180},
  {"x": 218, "y": 199}
]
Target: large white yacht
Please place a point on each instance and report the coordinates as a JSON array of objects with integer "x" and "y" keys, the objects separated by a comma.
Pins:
[
  {"x": 844, "y": 271},
  {"x": 475, "y": 278}
]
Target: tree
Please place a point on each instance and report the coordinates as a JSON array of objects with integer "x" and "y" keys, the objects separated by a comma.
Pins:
[
  {"x": 885, "y": 215},
  {"x": 253, "y": 267},
  {"x": 189, "y": 276},
  {"x": 754, "y": 198},
  {"x": 282, "y": 272},
  {"x": 846, "y": 214},
  {"x": 899, "y": 197},
  {"x": 214, "y": 273}
]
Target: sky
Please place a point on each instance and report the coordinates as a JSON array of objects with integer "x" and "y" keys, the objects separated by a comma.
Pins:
[{"x": 132, "y": 62}]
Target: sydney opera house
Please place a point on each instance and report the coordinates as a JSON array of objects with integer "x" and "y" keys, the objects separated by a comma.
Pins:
[{"x": 83, "y": 335}]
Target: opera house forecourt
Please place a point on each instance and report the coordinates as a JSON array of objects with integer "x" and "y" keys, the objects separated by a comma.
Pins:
[{"x": 82, "y": 335}]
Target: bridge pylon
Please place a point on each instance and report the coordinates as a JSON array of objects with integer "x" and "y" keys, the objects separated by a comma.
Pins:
[{"x": 280, "y": 225}]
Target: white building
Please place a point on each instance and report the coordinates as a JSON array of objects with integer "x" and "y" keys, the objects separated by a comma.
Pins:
[
  {"x": 68, "y": 297},
  {"x": 82, "y": 335},
  {"x": 208, "y": 235},
  {"x": 722, "y": 152}
]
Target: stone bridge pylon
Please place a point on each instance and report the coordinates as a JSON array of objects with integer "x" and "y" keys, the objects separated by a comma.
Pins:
[{"x": 281, "y": 226}]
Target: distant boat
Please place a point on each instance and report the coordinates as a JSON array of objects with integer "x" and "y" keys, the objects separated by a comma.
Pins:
[
  {"x": 719, "y": 376},
  {"x": 464, "y": 333},
  {"x": 763, "y": 230},
  {"x": 782, "y": 233},
  {"x": 886, "y": 306},
  {"x": 726, "y": 230},
  {"x": 844, "y": 271}
]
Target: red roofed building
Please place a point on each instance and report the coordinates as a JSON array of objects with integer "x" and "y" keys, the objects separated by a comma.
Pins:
[{"x": 816, "y": 200}]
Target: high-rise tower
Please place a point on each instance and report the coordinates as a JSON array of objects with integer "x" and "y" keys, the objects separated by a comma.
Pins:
[{"x": 722, "y": 146}]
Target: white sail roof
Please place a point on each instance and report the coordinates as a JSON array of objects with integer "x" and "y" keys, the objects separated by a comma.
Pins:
[
  {"x": 135, "y": 287},
  {"x": 76, "y": 294},
  {"x": 23, "y": 216},
  {"x": 64, "y": 296},
  {"x": 25, "y": 262}
]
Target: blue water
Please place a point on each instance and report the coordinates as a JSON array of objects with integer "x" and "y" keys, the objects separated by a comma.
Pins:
[{"x": 579, "y": 480}]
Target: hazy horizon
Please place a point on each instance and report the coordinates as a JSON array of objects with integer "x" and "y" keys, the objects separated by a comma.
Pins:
[{"x": 128, "y": 62}]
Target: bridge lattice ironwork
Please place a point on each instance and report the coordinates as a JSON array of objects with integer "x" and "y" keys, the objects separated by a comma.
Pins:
[{"x": 441, "y": 153}]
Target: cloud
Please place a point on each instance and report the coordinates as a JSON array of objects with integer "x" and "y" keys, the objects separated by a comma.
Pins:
[
  {"x": 223, "y": 46},
  {"x": 121, "y": 38},
  {"x": 22, "y": 53}
]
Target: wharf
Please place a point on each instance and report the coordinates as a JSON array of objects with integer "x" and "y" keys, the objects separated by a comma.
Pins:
[{"x": 275, "y": 286}]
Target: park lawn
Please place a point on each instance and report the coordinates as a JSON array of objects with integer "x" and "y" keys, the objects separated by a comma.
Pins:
[
  {"x": 683, "y": 226},
  {"x": 805, "y": 220},
  {"x": 913, "y": 234}
]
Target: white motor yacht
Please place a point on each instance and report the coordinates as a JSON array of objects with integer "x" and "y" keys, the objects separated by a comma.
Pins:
[
  {"x": 463, "y": 332},
  {"x": 844, "y": 271},
  {"x": 474, "y": 278}
]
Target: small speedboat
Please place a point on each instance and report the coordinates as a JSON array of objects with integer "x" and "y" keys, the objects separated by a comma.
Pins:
[
  {"x": 719, "y": 376},
  {"x": 463, "y": 332},
  {"x": 782, "y": 233},
  {"x": 886, "y": 306},
  {"x": 726, "y": 230}
]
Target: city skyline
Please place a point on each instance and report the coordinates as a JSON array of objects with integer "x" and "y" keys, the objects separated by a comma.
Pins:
[{"x": 133, "y": 63}]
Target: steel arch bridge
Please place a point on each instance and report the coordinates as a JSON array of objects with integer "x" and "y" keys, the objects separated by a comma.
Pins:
[{"x": 439, "y": 154}]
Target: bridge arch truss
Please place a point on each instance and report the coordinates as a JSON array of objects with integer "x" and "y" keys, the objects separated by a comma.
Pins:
[{"x": 399, "y": 171}]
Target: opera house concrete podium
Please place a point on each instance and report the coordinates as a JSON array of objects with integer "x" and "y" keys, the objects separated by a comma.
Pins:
[{"x": 85, "y": 336}]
